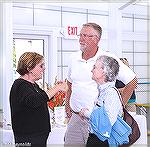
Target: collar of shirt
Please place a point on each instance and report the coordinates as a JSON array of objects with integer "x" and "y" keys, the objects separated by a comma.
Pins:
[
  {"x": 102, "y": 89},
  {"x": 105, "y": 86},
  {"x": 99, "y": 52}
]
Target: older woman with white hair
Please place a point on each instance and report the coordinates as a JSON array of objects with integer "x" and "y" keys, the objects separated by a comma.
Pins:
[{"x": 104, "y": 71}]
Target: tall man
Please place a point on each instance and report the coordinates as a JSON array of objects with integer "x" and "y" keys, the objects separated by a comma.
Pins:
[{"x": 82, "y": 89}]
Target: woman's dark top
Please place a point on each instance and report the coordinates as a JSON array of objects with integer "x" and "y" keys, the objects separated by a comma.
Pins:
[
  {"x": 29, "y": 111},
  {"x": 120, "y": 84}
]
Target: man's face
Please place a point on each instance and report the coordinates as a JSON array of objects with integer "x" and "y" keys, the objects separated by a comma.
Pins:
[{"x": 88, "y": 38}]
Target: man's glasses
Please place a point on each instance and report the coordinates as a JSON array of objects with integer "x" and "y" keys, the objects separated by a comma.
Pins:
[
  {"x": 123, "y": 59},
  {"x": 86, "y": 35}
]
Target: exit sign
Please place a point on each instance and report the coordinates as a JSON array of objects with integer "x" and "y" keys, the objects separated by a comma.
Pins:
[{"x": 72, "y": 30}]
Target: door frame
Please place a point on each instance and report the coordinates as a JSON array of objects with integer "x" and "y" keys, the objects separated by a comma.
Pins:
[
  {"x": 44, "y": 50},
  {"x": 50, "y": 36}
]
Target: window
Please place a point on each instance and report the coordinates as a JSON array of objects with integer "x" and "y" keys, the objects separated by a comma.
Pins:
[{"x": 25, "y": 43}]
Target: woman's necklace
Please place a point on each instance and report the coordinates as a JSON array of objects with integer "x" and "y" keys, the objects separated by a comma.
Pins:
[
  {"x": 33, "y": 84},
  {"x": 35, "y": 87}
]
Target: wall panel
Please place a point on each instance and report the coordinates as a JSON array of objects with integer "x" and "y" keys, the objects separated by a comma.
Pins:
[
  {"x": 47, "y": 18},
  {"x": 22, "y": 16}
]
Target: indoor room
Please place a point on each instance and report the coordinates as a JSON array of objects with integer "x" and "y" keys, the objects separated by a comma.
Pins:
[{"x": 53, "y": 31}]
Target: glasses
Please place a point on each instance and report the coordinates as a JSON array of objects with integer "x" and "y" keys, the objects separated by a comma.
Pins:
[
  {"x": 123, "y": 59},
  {"x": 86, "y": 35}
]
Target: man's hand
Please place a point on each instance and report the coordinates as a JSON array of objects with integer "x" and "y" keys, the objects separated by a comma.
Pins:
[
  {"x": 68, "y": 113},
  {"x": 83, "y": 112},
  {"x": 67, "y": 100}
]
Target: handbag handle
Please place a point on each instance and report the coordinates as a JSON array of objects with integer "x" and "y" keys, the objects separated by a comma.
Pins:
[{"x": 119, "y": 96}]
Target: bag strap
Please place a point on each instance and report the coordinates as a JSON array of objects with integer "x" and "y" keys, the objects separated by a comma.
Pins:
[
  {"x": 119, "y": 96},
  {"x": 124, "y": 109}
]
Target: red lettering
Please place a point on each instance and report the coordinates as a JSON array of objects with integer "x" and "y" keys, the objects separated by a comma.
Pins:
[
  {"x": 69, "y": 30},
  {"x": 75, "y": 30},
  {"x": 72, "y": 30}
]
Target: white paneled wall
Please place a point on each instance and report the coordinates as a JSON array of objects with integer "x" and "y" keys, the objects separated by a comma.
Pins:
[
  {"x": 23, "y": 16},
  {"x": 70, "y": 45},
  {"x": 73, "y": 19},
  {"x": 103, "y": 44},
  {"x": 135, "y": 47},
  {"x": 141, "y": 46},
  {"x": 133, "y": 27},
  {"x": 141, "y": 71},
  {"x": 143, "y": 57},
  {"x": 127, "y": 24},
  {"x": 127, "y": 46},
  {"x": 100, "y": 19},
  {"x": 44, "y": 17},
  {"x": 65, "y": 57},
  {"x": 140, "y": 22}
]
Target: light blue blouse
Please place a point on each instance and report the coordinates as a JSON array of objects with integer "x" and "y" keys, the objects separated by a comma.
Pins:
[{"x": 109, "y": 98}]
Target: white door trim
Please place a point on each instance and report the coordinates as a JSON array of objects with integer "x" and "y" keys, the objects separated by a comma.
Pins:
[{"x": 52, "y": 34}]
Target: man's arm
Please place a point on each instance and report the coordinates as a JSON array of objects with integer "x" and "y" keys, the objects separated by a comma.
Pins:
[
  {"x": 127, "y": 91},
  {"x": 67, "y": 100}
]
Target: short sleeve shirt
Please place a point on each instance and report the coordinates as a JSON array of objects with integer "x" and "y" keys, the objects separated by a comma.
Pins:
[{"x": 84, "y": 89}]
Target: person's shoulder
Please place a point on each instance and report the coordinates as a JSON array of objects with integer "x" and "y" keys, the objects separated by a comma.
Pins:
[
  {"x": 102, "y": 52},
  {"x": 111, "y": 95},
  {"x": 19, "y": 82},
  {"x": 110, "y": 54}
]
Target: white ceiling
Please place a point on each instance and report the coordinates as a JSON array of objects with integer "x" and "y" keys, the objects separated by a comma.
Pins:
[{"x": 101, "y": 4}]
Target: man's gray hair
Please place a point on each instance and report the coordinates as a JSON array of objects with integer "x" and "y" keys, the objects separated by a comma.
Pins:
[
  {"x": 110, "y": 67},
  {"x": 95, "y": 26}
]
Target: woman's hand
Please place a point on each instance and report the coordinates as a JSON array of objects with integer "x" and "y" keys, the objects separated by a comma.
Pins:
[
  {"x": 59, "y": 86},
  {"x": 62, "y": 86}
]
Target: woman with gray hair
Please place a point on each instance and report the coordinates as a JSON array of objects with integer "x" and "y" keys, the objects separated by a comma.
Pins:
[{"x": 104, "y": 71}]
